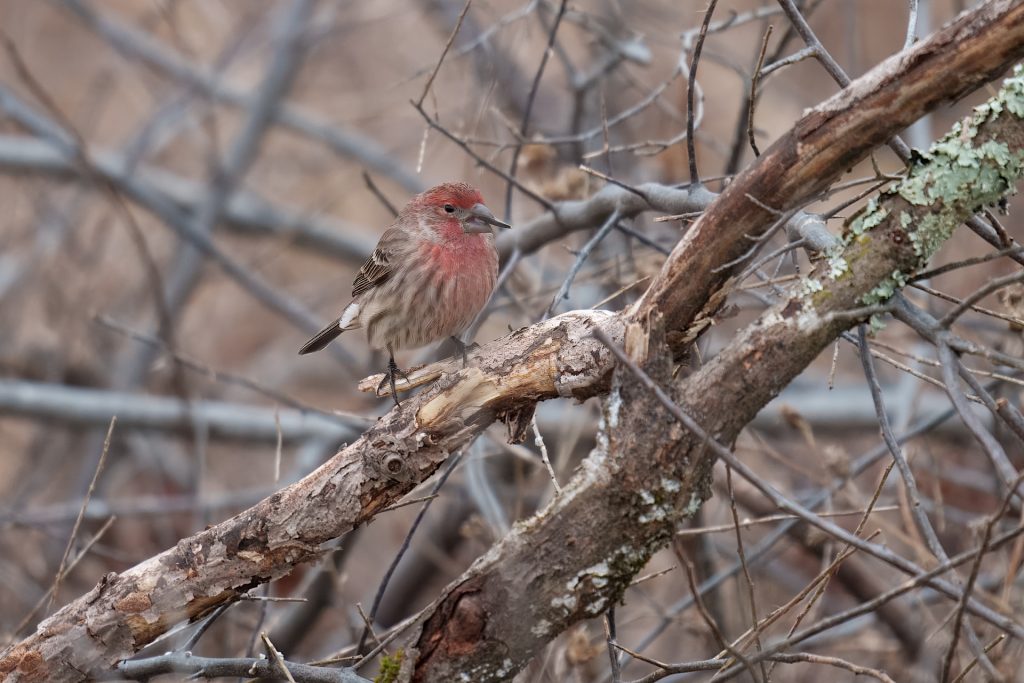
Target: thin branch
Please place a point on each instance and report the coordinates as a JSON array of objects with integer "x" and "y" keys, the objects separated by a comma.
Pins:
[
  {"x": 79, "y": 406},
  {"x": 55, "y": 591},
  {"x": 752, "y": 96},
  {"x": 209, "y": 667},
  {"x": 610, "y": 640},
  {"x": 748, "y": 580},
  {"x": 452, "y": 464},
  {"x": 691, "y": 88},
  {"x": 528, "y": 109},
  {"x": 911, "y": 25},
  {"x": 444, "y": 52},
  {"x": 972, "y": 578},
  {"x": 581, "y": 258}
]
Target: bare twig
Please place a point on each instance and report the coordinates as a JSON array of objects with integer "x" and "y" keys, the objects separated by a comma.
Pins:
[
  {"x": 73, "y": 405},
  {"x": 444, "y": 52},
  {"x": 524, "y": 125},
  {"x": 691, "y": 91},
  {"x": 55, "y": 591},
  {"x": 581, "y": 258},
  {"x": 752, "y": 96},
  {"x": 208, "y": 667},
  {"x": 452, "y": 464}
]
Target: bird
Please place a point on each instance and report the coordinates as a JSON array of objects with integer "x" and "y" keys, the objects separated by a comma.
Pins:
[{"x": 432, "y": 271}]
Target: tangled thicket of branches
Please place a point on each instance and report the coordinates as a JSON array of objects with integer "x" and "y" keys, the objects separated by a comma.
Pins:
[{"x": 761, "y": 419}]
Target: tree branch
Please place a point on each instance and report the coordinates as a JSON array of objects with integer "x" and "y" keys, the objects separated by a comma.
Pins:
[
  {"x": 125, "y": 611},
  {"x": 137, "y": 45},
  {"x": 617, "y": 511},
  {"x": 647, "y": 474},
  {"x": 245, "y": 212}
]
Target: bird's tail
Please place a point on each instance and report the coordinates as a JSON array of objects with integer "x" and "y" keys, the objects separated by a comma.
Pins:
[{"x": 347, "y": 321}]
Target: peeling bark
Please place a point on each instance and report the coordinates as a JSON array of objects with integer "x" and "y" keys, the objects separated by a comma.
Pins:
[
  {"x": 124, "y": 612},
  {"x": 645, "y": 475}
]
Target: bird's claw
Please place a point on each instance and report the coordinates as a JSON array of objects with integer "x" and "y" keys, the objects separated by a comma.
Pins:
[
  {"x": 461, "y": 348},
  {"x": 389, "y": 380}
]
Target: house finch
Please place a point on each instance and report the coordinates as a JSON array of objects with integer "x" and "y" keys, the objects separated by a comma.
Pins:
[{"x": 433, "y": 270}]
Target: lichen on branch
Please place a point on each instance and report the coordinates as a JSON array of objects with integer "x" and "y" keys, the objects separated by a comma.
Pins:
[
  {"x": 976, "y": 164},
  {"x": 647, "y": 472}
]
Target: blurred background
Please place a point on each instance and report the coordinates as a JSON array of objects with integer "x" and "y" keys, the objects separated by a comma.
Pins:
[{"x": 188, "y": 187}]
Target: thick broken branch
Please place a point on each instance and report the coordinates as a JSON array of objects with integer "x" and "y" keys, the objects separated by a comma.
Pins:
[
  {"x": 125, "y": 611},
  {"x": 836, "y": 134},
  {"x": 641, "y": 486},
  {"x": 647, "y": 473}
]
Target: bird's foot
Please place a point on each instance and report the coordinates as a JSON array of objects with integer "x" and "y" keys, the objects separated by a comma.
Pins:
[
  {"x": 389, "y": 380},
  {"x": 461, "y": 349}
]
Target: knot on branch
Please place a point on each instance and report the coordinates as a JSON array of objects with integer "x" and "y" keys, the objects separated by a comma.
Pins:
[{"x": 389, "y": 460}]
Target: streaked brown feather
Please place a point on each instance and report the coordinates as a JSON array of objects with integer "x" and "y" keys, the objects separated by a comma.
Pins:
[{"x": 379, "y": 267}]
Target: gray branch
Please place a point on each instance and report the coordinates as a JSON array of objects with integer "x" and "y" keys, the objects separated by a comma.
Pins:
[
  {"x": 211, "y": 667},
  {"x": 92, "y": 407},
  {"x": 245, "y": 213},
  {"x": 137, "y": 45}
]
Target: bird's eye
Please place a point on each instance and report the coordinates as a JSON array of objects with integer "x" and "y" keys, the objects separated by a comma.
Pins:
[{"x": 449, "y": 208}]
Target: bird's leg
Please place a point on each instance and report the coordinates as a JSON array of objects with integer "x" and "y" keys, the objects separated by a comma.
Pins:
[
  {"x": 389, "y": 377},
  {"x": 460, "y": 348}
]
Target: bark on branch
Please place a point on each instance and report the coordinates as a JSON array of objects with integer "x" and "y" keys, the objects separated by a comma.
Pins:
[
  {"x": 977, "y": 47},
  {"x": 125, "y": 611},
  {"x": 648, "y": 473},
  {"x": 638, "y": 487}
]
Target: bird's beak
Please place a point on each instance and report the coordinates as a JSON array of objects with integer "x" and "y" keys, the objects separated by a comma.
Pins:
[{"x": 481, "y": 219}]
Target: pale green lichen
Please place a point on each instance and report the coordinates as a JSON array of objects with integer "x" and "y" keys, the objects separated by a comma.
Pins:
[
  {"x": 583, "y": 585},
  {"x": 807, "y": 289},
  {"x": 507, "y": 667},
  {"x": 871, "y": 216},
  {"x": 489, "y": 671},
  {"x": 808, "y": 286},
  {"x": 837, "y": 267},
  {"x": 695, "y": 502},
  {"x": 614, "y": 406},
  {"x": 566, "y": 603},
  {"x": 956, "y": 177},
  {"x": 655, "y": 508},
  {"x": 1015, "y": 105},
  {"x": 597, "y": 607},
  {"x": 592, "y": 589},
  {"x": 875, "y": 324},
  {"x": 885, "y": 289},
  {"x": 541, "y": 629}
]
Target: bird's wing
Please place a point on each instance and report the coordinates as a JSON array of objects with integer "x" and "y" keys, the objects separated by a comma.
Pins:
[{"x": 381, "y": 264}]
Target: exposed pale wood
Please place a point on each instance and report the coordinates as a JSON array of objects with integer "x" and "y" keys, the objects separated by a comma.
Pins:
[
  {"x": 648, "y": 473},
  {"x": 125, "y": 611},
  {"x": 502, "y": 611}
]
